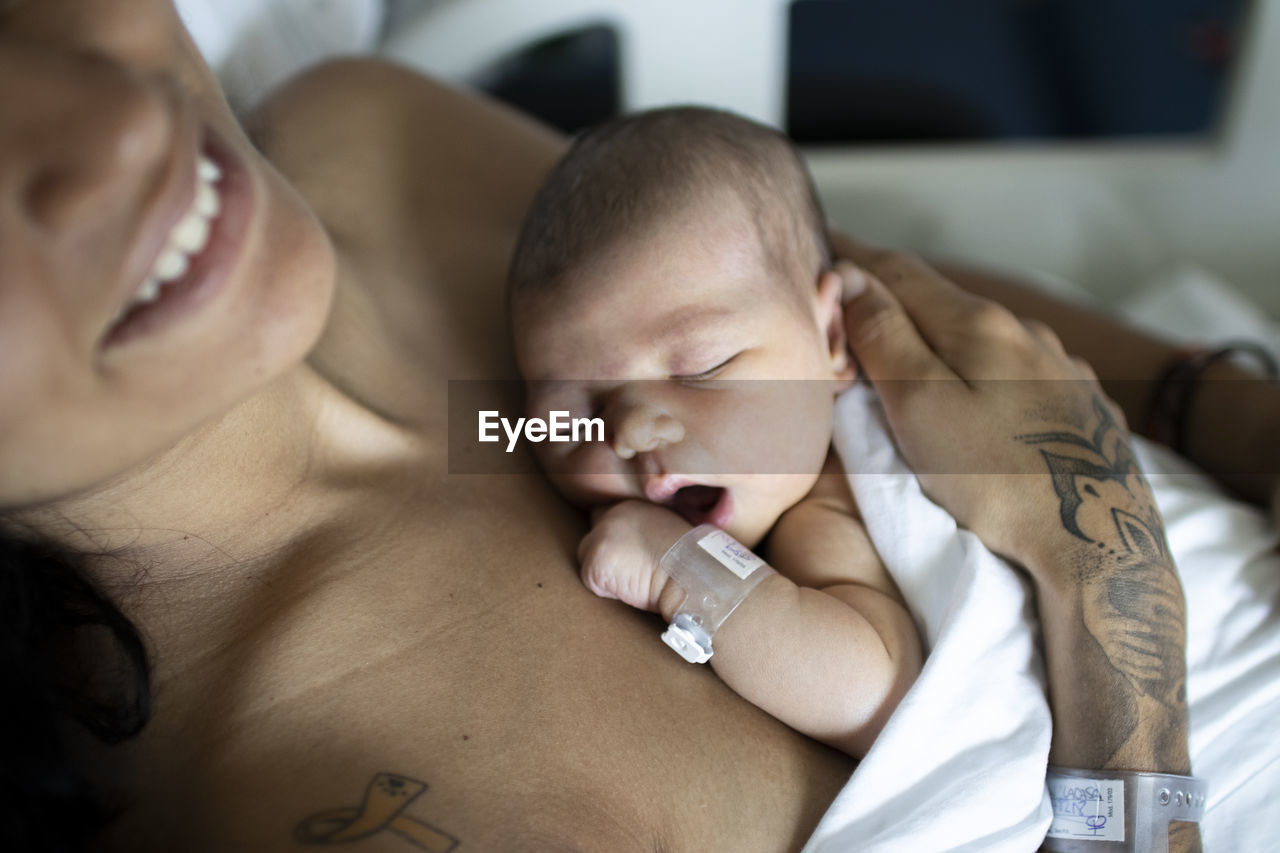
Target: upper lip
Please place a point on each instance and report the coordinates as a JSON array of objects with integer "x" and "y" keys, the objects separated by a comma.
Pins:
[
  {"x": 172, "y": 200},
  {"x": 660, "y": 488}
]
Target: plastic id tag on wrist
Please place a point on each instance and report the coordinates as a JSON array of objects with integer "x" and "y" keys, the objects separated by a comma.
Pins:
[
  {"x": 1103, "y": 810},
  {"x": 715, "y": 572}
]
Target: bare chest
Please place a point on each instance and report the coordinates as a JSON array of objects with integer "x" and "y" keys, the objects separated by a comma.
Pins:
[{"x": 461, "y": 679}]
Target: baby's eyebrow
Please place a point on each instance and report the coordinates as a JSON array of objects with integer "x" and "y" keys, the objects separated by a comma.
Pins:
[
  {"x": 690, "y": 338},
  {"x": 682, "y": 336},
  {"x": 683, "y": 324}
]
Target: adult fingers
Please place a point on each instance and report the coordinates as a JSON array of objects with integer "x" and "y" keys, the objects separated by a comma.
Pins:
[
  {"x": 906, "y": 274},
  {"x": 1087, "y": 375},
  {"x": 942, "y": 312},
  {"x": 1045, "y": 335},
  {"x": 884, "y": 339},
  {"x": 1084, "y": 368}
]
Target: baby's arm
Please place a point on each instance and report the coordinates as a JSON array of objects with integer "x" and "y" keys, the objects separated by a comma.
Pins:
[{"x": 826, "y": 646}]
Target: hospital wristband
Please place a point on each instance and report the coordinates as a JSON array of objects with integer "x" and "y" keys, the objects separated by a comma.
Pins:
[
  {"x": 1095, "y": 811},
  {"x": 715, "y": 573}
]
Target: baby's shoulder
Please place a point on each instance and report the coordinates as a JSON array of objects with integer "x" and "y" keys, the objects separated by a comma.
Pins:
[{"x": 822, "y": 540}]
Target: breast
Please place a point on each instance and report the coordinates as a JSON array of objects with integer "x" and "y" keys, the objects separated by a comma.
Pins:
[
  {"x": 468, "y": 657},
  {"x": 571, "y": 712}
]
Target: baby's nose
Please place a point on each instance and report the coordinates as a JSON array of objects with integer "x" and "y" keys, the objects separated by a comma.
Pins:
[{"x": 644, "y": 428}]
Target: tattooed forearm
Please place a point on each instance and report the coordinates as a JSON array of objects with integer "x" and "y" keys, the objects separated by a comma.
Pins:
[
  {"x": 1127, "y": 646},
  {"x": 1088, "y": 459},
  {"x": 385, "y": 799}
]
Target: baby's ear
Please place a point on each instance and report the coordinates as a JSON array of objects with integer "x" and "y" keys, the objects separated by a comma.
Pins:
[{"x": 831, "y": 321}]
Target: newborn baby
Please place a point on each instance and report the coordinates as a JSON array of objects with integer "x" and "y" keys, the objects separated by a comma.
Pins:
[{"x": 673, "y": 278}]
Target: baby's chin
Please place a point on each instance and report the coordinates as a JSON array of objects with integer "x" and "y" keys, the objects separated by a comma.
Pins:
[{"x": 751, "y": 535}]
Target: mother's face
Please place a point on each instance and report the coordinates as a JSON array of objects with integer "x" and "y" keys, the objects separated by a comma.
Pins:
[{"x": 154, "y": 270}]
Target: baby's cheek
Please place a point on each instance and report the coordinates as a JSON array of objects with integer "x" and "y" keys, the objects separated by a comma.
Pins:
[
  {"x": 587, "y": 481},
  {"x": 766, "y": 498}
]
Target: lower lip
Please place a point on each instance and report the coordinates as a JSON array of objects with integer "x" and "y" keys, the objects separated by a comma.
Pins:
[
  {"x": 722, "y": 511},
  {"x": 208, "y": 270}
]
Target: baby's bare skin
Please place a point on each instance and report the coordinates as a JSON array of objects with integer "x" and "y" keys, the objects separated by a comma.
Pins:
[
  {"x": 427, "y": 625},
  {"x": 826, "y": 645}
]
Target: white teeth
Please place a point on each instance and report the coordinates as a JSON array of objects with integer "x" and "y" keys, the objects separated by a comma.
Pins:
[
  {"x": 149, "y": 291},
  {"x": 187, "y": 238},
  {"x": 191, "y": 234},
  {"x": 207, "y": 170},
  {"x": 171, "y": 264},
  {"x": 207, "y": 203}
]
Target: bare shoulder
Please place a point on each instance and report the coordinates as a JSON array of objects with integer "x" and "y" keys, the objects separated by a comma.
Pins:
[
  {"x": 366, "y": 138},
  {"x": 821, "y": 541},
  {"x": 422, "y": 187}
]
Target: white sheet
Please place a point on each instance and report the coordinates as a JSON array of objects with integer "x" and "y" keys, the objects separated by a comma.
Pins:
[
  {"x": 960, "y": 766},
  {"x": 1226, "y": 553}
]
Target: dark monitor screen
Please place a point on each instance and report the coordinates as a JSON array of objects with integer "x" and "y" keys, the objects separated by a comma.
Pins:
[
  {"x": 894, "y": 71},
  {"x": 877, "y": 71}
]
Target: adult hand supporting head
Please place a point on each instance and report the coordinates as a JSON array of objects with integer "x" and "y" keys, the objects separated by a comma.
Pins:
[{"x": 978, "y": 399}]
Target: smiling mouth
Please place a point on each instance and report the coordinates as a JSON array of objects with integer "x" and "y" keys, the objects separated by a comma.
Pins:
[
  {"x": 201, "y": 248},
  {"x": 187, "y": 239},
  {"x": 702, "y": 504}
]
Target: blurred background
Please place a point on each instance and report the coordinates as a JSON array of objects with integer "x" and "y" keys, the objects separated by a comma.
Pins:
[{"x": 1120, "y": 150}]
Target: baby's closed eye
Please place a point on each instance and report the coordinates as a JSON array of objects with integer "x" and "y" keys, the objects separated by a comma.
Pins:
[{"x": 706, "y": 373}]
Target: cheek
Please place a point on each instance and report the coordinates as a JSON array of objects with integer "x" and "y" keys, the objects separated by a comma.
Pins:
[
  {"x": 586, "y": 474},
  {"x": 768, "y": 427},
  {"x": 270, "y": 316},
  {"x": 81, "y": 425},
  {"x": 286, "y": 302},
  {"x": 590, "y": 486}
]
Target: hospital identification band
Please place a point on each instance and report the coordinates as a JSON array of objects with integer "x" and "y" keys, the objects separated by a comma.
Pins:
[
  {"x": 715, "y": 572},
  {"x": 1095, "y": 811}
]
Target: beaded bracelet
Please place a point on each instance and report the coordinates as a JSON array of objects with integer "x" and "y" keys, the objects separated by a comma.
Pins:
[{"x": 1169, "y": 409}]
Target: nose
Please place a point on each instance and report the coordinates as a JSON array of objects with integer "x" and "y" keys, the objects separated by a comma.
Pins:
[
  {"x": 82, "y": 136},
  {"x": 640, "y": 427}
]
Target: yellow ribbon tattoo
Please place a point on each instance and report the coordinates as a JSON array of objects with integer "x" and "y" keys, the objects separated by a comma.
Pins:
[{"x": 384, "y": 799}]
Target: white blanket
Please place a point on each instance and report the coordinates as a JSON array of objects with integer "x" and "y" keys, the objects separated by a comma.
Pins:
[{"x": 960, "y": 765}]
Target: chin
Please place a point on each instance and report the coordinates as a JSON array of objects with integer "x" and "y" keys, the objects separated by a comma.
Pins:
[{"x": 751, "y": 533}]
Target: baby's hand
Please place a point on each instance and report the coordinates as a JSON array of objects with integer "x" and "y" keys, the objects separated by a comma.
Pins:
[{"x": 620, "y": 555}]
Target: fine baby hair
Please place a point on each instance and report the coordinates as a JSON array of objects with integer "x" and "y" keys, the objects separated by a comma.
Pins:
[{"x": 623, "y": 177}]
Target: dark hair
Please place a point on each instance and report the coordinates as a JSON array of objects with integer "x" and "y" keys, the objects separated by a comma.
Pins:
[
  {"x": 631, "y": 172},
  {"x": 48, "y": 609}
]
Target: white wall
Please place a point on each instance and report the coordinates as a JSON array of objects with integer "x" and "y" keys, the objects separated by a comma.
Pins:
[{"x": 1106, "y": 217}]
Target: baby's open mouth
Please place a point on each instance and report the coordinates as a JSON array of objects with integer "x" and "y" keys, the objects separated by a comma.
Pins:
[{"x": 703, "y": 504}]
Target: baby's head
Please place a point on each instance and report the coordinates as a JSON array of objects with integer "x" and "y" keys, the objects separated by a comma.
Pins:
[{"x": 674, "y": 279}]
